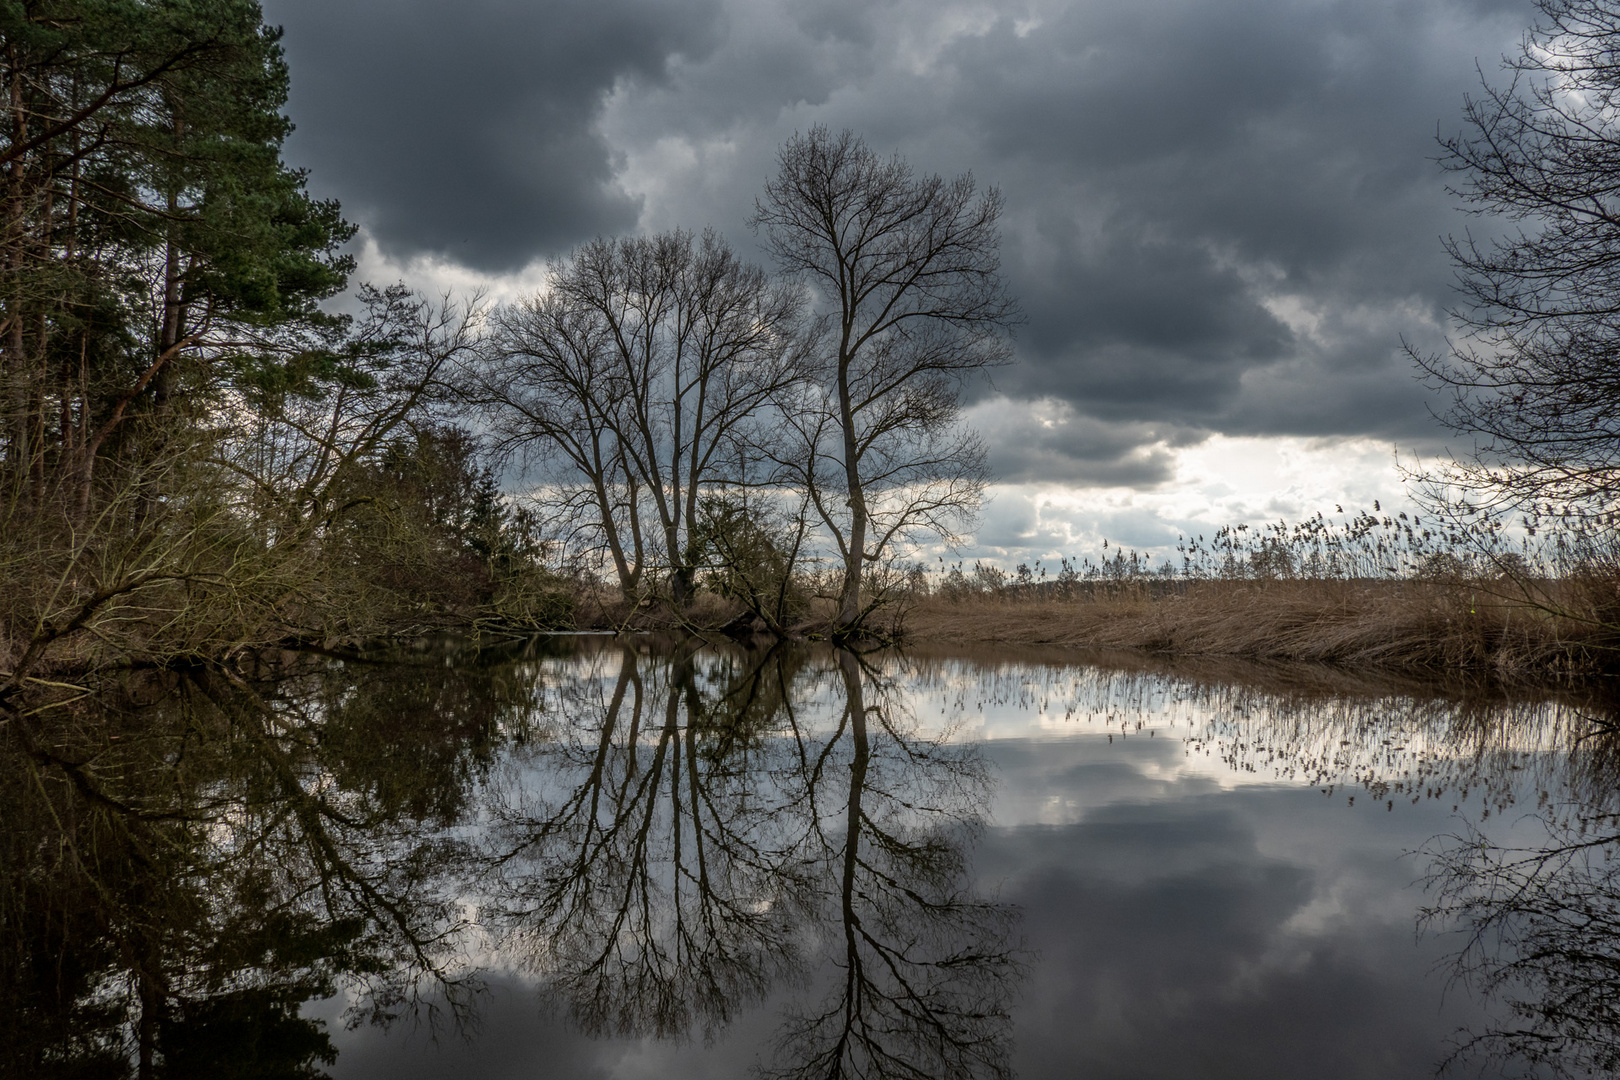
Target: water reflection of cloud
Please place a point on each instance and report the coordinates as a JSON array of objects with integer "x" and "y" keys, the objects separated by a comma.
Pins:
[
  {"x": 1202, "y": 904},
  {"x": 1244, "y": 934},
  {"x": 1181, "y": 932}
]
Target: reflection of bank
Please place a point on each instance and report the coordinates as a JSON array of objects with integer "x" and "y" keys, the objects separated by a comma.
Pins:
[
  {"x": 181, "y": 870},
  {"x": 720, "y": 822}
]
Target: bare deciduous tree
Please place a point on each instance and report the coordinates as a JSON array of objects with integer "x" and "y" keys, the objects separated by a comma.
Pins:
[
  {"x": 290, "y": 439},
  {"x": 906, "y": 268},
  {"x": 636, "y": 373},
  {"x": 1536, "y": 383}
]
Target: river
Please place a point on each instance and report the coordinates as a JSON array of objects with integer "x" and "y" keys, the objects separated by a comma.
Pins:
[{"x": 631, "y": 857}]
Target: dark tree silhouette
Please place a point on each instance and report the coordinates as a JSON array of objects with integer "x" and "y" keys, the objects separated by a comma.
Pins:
[
  {"x": 908, "y": 273},
  {"x": 1537, "y": 383}
]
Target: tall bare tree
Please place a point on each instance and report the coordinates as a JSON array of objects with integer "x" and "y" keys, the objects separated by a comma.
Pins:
[
  {"x": 638, "y": 371},
  {"x": 1536, "y": 382},
  {"x": 907, "y": 272}
]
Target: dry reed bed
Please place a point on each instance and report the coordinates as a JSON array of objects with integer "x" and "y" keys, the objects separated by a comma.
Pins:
[{"x": 1396, "y": 624}]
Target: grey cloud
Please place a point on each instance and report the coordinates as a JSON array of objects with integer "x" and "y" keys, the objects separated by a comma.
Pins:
[
  {"x": 1262, "y": 147},
  {"x": 1339, "y": 394},
  {"x": 1212, "y": 156},
  {"x": 1045, "y": 440},
  {"x": 1138, "y": 529},
  {"x": 1169, "y": 927},
  {"x": 847, "y": 21},
  {"x": 471, "y": 133},
  {"x": 1129, "y": 327},
  {"x": 1171, "y": 169},
  {"x": 1126, "y": 466}
]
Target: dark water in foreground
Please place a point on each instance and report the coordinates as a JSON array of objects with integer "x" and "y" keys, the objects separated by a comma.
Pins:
[{"x": 611, "y": 858}]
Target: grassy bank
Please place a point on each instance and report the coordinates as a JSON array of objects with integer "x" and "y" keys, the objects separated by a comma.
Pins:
[{"x": 1508, "y": 630}]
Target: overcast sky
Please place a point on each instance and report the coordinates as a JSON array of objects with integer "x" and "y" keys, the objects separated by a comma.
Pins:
[{"x": 1222, "y": 215}]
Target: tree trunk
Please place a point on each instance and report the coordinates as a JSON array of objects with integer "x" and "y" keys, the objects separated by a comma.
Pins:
[
  {"x": 680, "y": 570},
  {"x": 627, "y": 579},
  {"x": 855, "y": 699},
  {"x": 849, "y": 602},
  {"x": 147, "y": 1026},
  {"x": 849, "y": 599},
  {"x": 16, "y": 227}
]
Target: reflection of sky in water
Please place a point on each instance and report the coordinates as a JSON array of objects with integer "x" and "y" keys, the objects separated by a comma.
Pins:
[{"x": 1189, "y": 918}]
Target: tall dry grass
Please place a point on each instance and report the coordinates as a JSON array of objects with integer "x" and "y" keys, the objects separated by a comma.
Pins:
[{"x": 1540, "y": 601}]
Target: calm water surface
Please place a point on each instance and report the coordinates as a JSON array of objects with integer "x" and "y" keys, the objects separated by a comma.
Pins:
[{"x": 619, "y": 858}]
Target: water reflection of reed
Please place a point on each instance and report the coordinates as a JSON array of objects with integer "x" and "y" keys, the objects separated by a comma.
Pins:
[
  {"x": 1388, "y": 737},
  {"x": 1537, "y": 919}
]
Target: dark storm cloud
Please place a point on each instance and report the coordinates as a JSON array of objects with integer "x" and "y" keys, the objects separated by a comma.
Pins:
[
  {"x": 1222, "y": 215},
  {"x": 1050, "y": 441},
  {"x": 1213, "y": 160},
  {"x": 470, "y": 131},
  {"x": 1131, "y": 327}
]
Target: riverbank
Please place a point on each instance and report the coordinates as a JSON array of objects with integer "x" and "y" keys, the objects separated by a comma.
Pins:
[
  {"x": 1483, "y": 627},
  {"x": 1477, "y": 629}
]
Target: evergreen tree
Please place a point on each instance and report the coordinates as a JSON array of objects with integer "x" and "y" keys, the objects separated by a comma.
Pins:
[{"x": 152, "y": 240}]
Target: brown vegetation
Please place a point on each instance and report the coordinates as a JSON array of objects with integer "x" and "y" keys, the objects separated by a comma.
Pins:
[{"x": 1485, "y": 626}]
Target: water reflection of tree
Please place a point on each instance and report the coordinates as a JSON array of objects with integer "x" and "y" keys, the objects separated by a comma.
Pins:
[
  {"x": 181, "y": 870},
  {"x": 711, "y": 823},
  {"x": 1541, "y": 923},
  {"x": 666, "y": 838},
  {"x": 922, "y": 969},
  {"x": 643, "y": 868}
]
